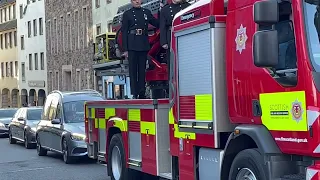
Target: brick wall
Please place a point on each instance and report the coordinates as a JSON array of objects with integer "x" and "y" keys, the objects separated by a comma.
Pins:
[{"x": 69, "y": 42}]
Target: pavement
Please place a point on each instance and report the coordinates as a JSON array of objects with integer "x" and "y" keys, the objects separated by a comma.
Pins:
[{"x": 18, "y": 163}]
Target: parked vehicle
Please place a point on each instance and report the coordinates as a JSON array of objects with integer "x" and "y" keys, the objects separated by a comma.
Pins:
[
  {"x": 61, "y": 128},
  {"x": 6, "y": 115},
  {"x": 23, "y": 126}
]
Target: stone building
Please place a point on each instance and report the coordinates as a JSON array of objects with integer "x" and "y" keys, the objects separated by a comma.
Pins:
[
  {"x": 69, "y": 44},
  {"x": 9, "y": 87},
  {"x": 31, "y": 51}
]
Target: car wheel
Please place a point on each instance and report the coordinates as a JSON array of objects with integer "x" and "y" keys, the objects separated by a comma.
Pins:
[
  {"x": 248, "y": 164},
  {"x": 116, "y": 161},
  {"x": 40, "y": 150},
  {"x": 11, "y": 140},
  {"x": 27, "y": 145},
  {"x": 66, "y": 156}
]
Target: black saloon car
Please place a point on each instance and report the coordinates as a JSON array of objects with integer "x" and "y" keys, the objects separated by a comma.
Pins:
[{"x": 6, "y": 115}]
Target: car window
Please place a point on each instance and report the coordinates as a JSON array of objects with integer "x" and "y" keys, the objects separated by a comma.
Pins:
[
  {"x": 46, "y": 107},
  {"x": 53, "y": 108},
  {"x": 34, "y": 114},
  {"x": 7, "y": 113},
  {"x": 74, "y": 111},
  {"x": 16, "y": 115},
  {"x": 22, "y": 113}
]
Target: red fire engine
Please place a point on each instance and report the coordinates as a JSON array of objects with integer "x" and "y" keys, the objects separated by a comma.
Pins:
[{"x": 243, "y": 99}]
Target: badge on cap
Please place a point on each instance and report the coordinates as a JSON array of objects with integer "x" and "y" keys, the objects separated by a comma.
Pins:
[{"x": 241, "y": 39}]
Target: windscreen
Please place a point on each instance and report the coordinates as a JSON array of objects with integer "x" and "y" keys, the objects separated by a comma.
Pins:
[
  {"x": 74, "y": 111},
  {"x": 7, "y": 113},
  {"x": 312, "y": 23},
  {"x": 34, "y": 114}
]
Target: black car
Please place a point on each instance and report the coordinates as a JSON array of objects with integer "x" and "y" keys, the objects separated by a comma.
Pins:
[
  {"x": 23, "y": 126},
  {"x": 61, "y": 128},
  {"x": 6, "y": 115}
]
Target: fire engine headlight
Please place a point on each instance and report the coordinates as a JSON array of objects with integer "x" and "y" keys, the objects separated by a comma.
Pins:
[{"x": 78, "y": 137}]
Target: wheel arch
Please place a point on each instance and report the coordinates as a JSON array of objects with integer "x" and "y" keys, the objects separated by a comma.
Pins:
[
  {"x": 255, "y": 136},
  {"x": 63, "y": 136}
]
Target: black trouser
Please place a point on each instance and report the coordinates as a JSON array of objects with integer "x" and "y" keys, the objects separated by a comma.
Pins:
[
  {"x": 137, "y": 72},
  {"x": 168, "y": 50}
]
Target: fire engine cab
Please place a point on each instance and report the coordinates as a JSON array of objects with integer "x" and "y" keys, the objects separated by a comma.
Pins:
[{"x": 243, "y": 99}]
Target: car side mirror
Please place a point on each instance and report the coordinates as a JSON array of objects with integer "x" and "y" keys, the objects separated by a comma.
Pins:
[
  {"x": 55, "y": 121},
  {"x": 266, "y": 48},
  {"x": 266, "y": 12}
]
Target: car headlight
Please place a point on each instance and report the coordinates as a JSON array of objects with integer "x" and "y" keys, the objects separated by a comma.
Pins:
[
  {"x": 78, "y": 137},
  {"x": 2, "y": 125}
]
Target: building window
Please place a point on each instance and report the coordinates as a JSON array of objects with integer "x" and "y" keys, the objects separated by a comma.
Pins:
[
  {"x": 85, "y": 29},
  {"x": 29, "y": 28},
  {"x": 23, "y": 72},
  {"x": 9, "y": 12},
  {"x": 55, "y": 35},
  {"x": 5, "y": 14},
  {"x": 11, "y": 69},
  {"x": 6, "y": 40},
  {"x": 30, "y": 62},
  {"x": 22, "y": 42},
  {"x": 69, "y": 32},
  {"x": 2, "y": 69},
  {"x": 15, "y": 38},
  {"x": 42, "y": 61},
  {"x": 10, "y": 39},
  {"x": 62, "y": 33},
  {"x": 97, "y": 3},
  {"x": 36, "y": 63},
  {"x": 98, "y": 29},
  {"x": 51, "y": 79},
  {"x": 87, "y": 75},
  {"x": 57, "y": 80},
  {"x": 34, "y": 27},
  {"x": 1, "y": 16},
  {"x": 1, "y": 41},
  {"x": 76, "y": 24},
  {"x": 78, "y": 76},
  {"x": 40, "y": 26},
  {"x": 7, "y": 69},
  {"x": 16, "y": 68},
  {"x": 14, "y": 11},
  {"x": 21, "y": 11}
]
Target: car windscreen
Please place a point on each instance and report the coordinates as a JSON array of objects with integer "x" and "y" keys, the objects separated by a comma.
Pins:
[
  {"x": 74, "y": 111},
  {"x": 34, "y": 114},
  {"x": 7, "y": 113}
]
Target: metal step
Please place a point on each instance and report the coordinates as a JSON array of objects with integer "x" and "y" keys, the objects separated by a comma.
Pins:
[
  {"x": 135, "y": 163},
  {"x": 166, "y": 175},
  {"x": 293, "y": 177},
  {"x": 101, "y": 157}
]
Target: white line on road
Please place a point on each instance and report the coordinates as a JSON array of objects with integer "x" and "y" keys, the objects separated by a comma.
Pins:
[{"x": 22, "y": 170}]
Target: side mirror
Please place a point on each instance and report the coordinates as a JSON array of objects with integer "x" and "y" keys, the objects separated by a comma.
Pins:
[
  {"x": 266, "y": 48},
  {"x": 55, "y": 121},
  {"x": 266, "y": 12}
]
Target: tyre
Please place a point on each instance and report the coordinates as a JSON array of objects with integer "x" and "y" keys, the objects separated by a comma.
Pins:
[
  {"x": 116, "y": 161},
  {"x": 40, "y": 150},
  {"x": 66, "y": 156},
  {"x": 248, "y": 164},
  {"x": 27, "y": 145},
  {"x": 11, "y": 140}
]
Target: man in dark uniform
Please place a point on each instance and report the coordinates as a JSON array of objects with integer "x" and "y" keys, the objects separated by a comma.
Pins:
[
  {"x": 136, "y": 45},
  {"x": 167, "y": 14}
]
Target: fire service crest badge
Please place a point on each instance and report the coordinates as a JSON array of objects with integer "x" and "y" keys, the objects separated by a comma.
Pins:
[
  {"x": 241, "y": 39},
  {"x": 297, "y": 111}
]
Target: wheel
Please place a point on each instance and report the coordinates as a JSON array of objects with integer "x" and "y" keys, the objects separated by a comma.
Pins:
[
  {"x": 11, "y": 140},
  {"x": 66, "y": 156},
  {"x": 27, "y": 145},
  {"x": 116, "y": 161},
  {"x": 248, "y": 164},
  {"x": 40, "y": 150}
]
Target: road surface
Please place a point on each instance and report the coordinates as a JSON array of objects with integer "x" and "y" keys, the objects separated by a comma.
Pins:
[{"x": 18, "y": 163}]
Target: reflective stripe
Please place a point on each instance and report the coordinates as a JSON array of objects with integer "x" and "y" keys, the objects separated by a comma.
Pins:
[
  {"x": 203, "y": 107},
  {"x": 93, "y": 113},
  {"x": 171, "y": 117},
  {"x": 109, "y": 112},
  {"x": 102, "y": 123},
  {"x": 134, "y": 115},
  {"x": 183, "y": 135},
  {"x": 148, "y": 128},
  {"x": 121, "y": 124}
]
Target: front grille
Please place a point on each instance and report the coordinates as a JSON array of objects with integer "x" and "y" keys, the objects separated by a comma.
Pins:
[{"x": 79, "y": 150}]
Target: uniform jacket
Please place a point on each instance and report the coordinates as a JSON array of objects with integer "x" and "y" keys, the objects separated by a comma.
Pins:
[
  {"x": 137, "y": 18},
  {"x": 167, "y": 14}
]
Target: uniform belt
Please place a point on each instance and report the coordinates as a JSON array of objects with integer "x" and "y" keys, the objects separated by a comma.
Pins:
[{"x": 138, "y": 32}]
